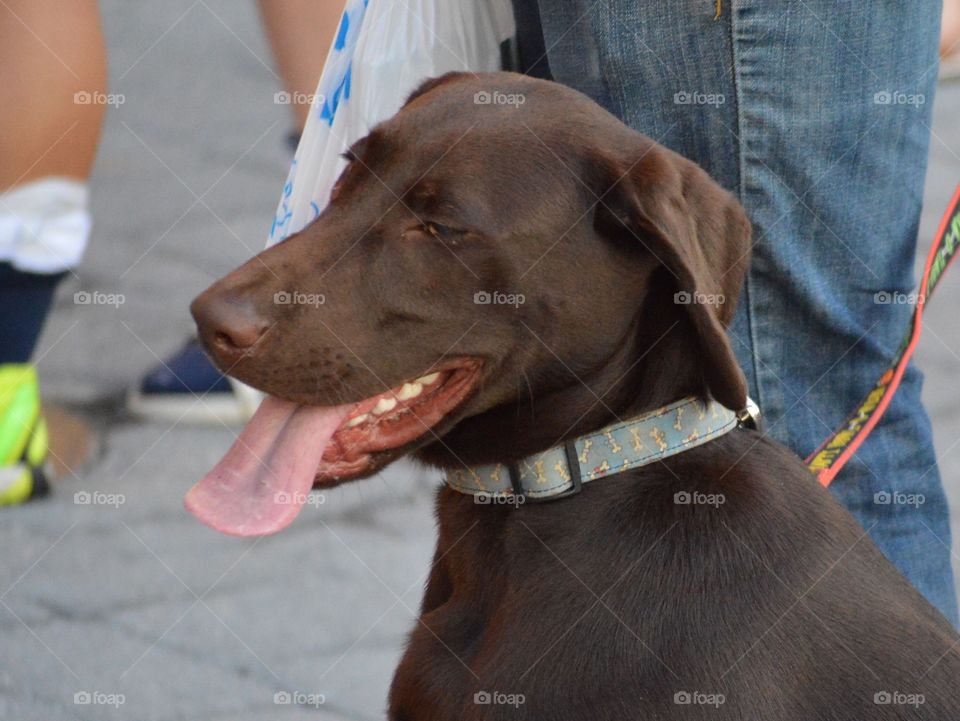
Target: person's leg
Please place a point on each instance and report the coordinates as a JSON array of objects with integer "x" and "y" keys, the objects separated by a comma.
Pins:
[
  {"x": 52, "y": 66},
  {"x": 52, "y": 83},
  {"x": 816, "y": 114},
  {"x": 52, "y": 75},
  {"x": 950, "y": 40},
  {"x": 300, "y": 33},
  {"x": 950, "y": 28}
]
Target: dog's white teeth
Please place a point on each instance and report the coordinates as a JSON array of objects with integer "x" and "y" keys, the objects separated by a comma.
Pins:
[
  {"x": 384, "y": 405},
  {"x": 409, "y": 390},
  {"x": 427, "y": 379},
  {"x": 357, "y": 421}
]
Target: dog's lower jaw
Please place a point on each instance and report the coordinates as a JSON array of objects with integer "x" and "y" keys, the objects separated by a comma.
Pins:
[{"x": 396, "y": 422}]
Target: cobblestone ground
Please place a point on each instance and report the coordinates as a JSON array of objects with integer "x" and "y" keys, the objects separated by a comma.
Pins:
[{"x": 137, "y": 599}]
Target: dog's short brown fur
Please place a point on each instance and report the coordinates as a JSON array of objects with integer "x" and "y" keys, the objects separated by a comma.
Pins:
[{"x": 616, "y": 603}]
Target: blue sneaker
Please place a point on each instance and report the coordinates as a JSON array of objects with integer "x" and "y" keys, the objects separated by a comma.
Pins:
[{"x": 187, "y": 388}]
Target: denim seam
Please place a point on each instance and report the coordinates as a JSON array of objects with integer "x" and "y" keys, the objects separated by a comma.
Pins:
[{"x": 741, "y": 186}]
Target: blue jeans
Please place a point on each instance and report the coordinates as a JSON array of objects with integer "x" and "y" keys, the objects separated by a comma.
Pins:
[{"x": 816, "y": 114}]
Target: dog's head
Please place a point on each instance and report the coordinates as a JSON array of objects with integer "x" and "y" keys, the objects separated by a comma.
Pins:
[{"x": 502, "y": 265}]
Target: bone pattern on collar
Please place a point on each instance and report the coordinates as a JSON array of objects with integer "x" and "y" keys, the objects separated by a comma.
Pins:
[{"x": 616, "y": 448}]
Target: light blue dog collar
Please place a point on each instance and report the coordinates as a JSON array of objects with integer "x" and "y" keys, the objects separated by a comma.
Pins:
[{"x": 560, "y": 471}]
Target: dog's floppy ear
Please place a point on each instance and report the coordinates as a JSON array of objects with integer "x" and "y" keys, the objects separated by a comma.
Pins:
[{"x": 699, "y": 233}]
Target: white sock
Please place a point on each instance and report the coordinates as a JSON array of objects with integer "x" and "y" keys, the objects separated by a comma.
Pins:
[{"x": 45, "y": 224}]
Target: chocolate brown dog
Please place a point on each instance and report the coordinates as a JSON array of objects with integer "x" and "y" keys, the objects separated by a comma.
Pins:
[{"x": 497, "y": 272}]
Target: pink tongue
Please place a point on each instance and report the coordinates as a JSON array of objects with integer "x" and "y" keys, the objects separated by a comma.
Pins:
[{"x": 263, "y": 480}]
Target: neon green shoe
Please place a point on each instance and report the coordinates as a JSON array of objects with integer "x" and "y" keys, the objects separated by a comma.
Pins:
[{"x": 23, "y": 436}]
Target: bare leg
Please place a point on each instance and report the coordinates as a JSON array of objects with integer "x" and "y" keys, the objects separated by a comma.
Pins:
[
  {"x": 49, "y": 51},
  {"x": 52, "y": 84},
  {"x": 950, "y": 29},
  {"x": 300, "y": 33}
]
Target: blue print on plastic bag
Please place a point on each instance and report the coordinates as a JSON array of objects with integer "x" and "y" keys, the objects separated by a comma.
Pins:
[
  {"x": 334, "y": 91},
  {"x": 283, "y": 215},
  {"x": 341, "y": 42}
]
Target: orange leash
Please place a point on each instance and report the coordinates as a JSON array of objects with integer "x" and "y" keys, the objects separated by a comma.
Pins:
[{"x": 840, "y": 446}]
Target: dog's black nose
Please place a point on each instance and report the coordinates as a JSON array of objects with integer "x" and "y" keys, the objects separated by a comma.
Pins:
[{"x": 228, "y": 323}]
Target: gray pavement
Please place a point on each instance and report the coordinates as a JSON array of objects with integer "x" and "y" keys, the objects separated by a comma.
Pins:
[{"x": 136, "y": 598}]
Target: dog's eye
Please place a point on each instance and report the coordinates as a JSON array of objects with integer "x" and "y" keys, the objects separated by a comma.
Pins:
[
  {"x": 444, "y": 233},
  {"x": 437, "y": 230}
]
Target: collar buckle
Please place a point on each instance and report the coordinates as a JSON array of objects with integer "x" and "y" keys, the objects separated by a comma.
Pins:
[
  {"x": 573, "y": 466},
  {"x": 749, "y": 417}
]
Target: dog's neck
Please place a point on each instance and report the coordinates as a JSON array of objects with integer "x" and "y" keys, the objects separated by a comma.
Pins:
[{"x": 650, "y": 369}]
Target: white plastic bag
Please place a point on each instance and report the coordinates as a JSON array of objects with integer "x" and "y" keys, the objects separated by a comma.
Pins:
[{"x": 383, "y": 50}]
